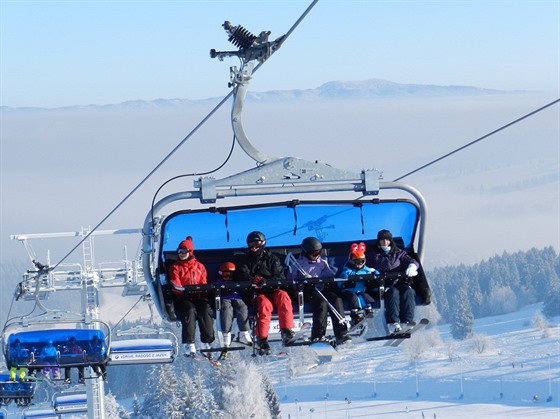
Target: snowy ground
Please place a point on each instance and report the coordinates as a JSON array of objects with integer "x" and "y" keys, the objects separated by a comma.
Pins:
[
  {"x": 448, "y": 379},
  {"x": 429, "y": 376}
]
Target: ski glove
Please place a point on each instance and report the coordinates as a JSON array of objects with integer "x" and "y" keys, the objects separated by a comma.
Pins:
[
  {"x": 258, "y": 282},
  {"x": 412, "y": 270}
]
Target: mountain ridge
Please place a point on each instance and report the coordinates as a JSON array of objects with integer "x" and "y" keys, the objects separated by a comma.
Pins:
[{"x": 334, "y": 90}]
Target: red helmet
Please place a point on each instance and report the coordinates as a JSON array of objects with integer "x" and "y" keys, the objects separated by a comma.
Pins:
[{"x": 226, "y": 267}]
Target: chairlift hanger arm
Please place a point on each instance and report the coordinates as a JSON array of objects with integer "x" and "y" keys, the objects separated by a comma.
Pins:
[
  {"x": 251, "y": 48},
  {"x": 284, "y": 173}
]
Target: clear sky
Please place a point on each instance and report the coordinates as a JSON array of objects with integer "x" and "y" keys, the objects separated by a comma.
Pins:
[{"x": 59, "y": 53}]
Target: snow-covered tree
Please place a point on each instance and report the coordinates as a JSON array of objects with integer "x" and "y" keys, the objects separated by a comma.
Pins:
[
  {"x": 136, "y": 407},
  {"x": 112, "y": 407},
  {"x": 502, "y": 300},
  {"x": 200, "y": 401},
  {"x": 540, "y": 322},
  {"x": 271, "y": 398},
  {"x": 172, "y": 403},
  {"x": 551, "y": 304},
  {"x": 481, "y": 342},
  {"x": 462, "y": 323},
  {"x": 123, "y": 413},
  {"x": 243, "y": 395},
  {"x": 162, "y": 383}
]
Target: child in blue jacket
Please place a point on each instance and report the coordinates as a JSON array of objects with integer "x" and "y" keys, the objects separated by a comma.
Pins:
[{"x": 354, "y": 294}]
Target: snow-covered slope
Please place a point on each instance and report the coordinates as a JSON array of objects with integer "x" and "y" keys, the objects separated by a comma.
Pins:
[{"x": 432, "y": 375}]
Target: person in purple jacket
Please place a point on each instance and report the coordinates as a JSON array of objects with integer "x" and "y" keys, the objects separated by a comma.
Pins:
[
  {"x": 400, "y": 296},
  {"x": 312, "y": 265},
  {"x": 232, "y": 306}
]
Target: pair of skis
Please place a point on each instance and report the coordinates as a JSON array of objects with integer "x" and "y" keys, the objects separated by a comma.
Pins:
[{"x": 395, "y": 339}]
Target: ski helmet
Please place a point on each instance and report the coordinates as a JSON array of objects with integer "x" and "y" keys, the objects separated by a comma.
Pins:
[
  {"x": 226, "y": 267},
  {"x": 311, "y": 247},
  {"x": 255, "y": 236},
  {"x": 357, "y": 254}
]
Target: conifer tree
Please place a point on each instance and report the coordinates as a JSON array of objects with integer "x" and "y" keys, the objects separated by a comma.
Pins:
[
  {"x": 551, "y": 305},
  {"x": 155, "y": 398},
  {"x": 136, "y": 407},
  {"x": 112, "y": 407},
  {"x": 462, "y": 322},
  {"x": 271, "y": 398},
  {"x": 243, "y": 395}
]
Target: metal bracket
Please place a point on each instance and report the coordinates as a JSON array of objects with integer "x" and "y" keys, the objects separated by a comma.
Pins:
[{"x": 289, "y": 175}]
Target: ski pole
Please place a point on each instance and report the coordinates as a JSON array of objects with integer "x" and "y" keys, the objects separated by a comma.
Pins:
[
  {"x": 218, "y": 304},
  {"x": 292, "y": 261},
  {"x": 340, "y": 318}
]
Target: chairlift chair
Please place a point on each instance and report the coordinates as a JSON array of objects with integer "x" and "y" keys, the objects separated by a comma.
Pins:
[
  {"x": 143, "y": 345},
  {"x": 55, "y": 328}
]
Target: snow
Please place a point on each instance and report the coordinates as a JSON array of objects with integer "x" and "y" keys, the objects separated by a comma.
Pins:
[{"x": 428, "y": 377}]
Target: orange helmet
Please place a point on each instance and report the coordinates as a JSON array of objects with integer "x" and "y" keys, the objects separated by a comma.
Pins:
[{"x": 226, "y": 267}]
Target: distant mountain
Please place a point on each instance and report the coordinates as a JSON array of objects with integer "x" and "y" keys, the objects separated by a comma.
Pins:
[
  {"x": 371, "y": 89},
  {"x": 334, "y": 90}
]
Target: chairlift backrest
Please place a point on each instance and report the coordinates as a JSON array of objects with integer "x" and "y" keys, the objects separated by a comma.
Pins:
[{"x": 288, "y": 223}]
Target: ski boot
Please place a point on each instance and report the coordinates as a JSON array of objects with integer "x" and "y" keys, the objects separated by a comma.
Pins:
[
  {"x": 287, "y": 336},
  {"x": 263, "y": 346},
  {"x": 190, "y": 350},
  {"x": 356, "y": 316},
  {"x": 340, "y": 339}
]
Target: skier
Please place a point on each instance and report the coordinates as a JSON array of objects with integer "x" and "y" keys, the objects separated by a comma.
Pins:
[
  {"x": 355, "y": 295},
  {"x": 49, "y": 355},
  {"x": 232, "y": 306},
  {"x": 258, "y": 265},
  {"x": 18, "y": 355},
  {"x": 312, "y": 264},
  {"x": 399, "y": 297},
  {"x": 191, "y": 306},
  {"x": 73, "y": 348},
  {"x": 97, "y": 349}
]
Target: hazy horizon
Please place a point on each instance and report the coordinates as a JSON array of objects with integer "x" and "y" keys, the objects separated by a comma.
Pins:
[{"x": 64, "y": 170}]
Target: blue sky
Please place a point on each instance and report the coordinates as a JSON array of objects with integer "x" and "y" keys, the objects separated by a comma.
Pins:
[{"x": 58, "y": 53}]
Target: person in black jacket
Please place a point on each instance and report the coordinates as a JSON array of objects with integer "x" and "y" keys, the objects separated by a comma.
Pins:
[{"x": 258, "y": 265}]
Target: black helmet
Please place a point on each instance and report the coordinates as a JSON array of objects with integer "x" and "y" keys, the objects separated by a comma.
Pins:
[
  {"x": 311, "y": 247},
  {"x": 311, "y": 244},
  {"x": 255, "y": 236}
]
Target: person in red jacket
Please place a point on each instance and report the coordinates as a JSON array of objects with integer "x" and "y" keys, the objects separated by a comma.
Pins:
[
  {"x": 191, "y": 306},
  {"x": 258, "y": 265}
]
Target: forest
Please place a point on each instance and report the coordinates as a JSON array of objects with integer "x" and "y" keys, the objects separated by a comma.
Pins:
[{"x": 499, "y": 285}]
